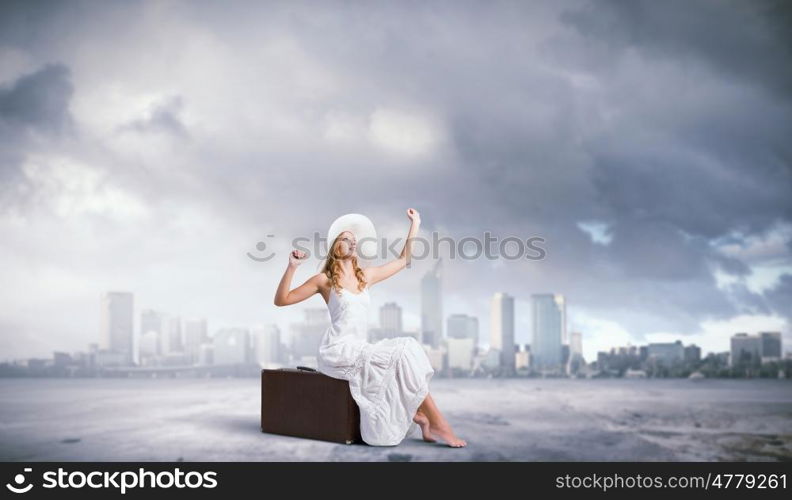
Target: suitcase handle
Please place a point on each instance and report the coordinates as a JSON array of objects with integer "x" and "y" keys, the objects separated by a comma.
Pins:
[{"x": 306, "y": 368}]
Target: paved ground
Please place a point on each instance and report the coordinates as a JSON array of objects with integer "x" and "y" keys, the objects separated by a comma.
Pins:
[{"x": 523, "y": 420}]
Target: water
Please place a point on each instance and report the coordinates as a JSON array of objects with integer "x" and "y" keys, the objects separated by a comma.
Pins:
[{"x": 517, "y": 419}]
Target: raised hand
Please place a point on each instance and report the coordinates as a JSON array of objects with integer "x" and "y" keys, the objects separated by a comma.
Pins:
[
  {"x": 296, "y": 257},
  {"x": 414, "y": 215}
]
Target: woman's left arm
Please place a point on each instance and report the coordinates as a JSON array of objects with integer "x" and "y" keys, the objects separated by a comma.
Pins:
[{"x": 379, "y": 273}]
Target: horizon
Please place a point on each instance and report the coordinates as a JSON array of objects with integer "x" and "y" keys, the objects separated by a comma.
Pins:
[
  {"x": 286, "y": 332},
  {"x": 151, "y": 146}
]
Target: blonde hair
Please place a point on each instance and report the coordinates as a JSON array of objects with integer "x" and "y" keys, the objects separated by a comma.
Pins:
[{"x": 332, "y": 267}]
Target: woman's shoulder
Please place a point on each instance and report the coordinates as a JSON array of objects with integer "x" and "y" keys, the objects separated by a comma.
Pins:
[{"x": 321, "y": 280}]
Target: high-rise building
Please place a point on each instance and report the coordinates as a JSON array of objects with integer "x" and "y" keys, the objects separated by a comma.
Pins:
[
  {"x": 745, "y": 349},
  {"x": 667, "y": 352},
  {"x": 206, "y": 353},
  {"x": 391, "y": 325},
  {"x": 502, "y": 330},
  {"x": 116, "y": 325},
  {"x": 391, "y": 318},
  {"x": 174, "y": 335},
  {"x": 231, "y": 346},
  {"x": 462, "y": 326},
  {"x": 692, "y": 353},
  {"x": 432, "y": 306},
  {"x": 522, "y": 359},
  {"x": 770, "y": 346},
  {"x": 150, "y": 336},
  {"x": 460, "y": 353},
  {"x": 268, "y": 342},
  {"x": 195, "y": 334},
  {"x": 148, "y": 348},
  {"x": 307, "y": 336},
  {"x": 549, "y": 331},
  {"x": 492, "y": 359},
  {"x": 755, "y": 349},
  {"x": 438, "y": 358},
  {"x": 575, "y": 359},
  {"x": 576, "y": 344}
]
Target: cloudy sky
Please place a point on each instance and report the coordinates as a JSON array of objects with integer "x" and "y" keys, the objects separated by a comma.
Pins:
[{"x": 149, "y": 146}]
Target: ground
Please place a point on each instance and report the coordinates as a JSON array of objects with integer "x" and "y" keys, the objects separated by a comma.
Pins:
[{"x": 516, "y": 419}]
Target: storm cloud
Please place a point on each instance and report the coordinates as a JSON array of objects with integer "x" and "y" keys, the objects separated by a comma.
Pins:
[{"x": 148, "y": 146}]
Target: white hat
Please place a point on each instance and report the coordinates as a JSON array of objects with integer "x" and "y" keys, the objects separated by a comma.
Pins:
[{"x": 363, "y": 229}]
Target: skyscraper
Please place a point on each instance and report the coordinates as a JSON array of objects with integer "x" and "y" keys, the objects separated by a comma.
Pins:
[
  {"x": 460, "y": 353},
  {"x": 502, "y": 330},
  {"x": 268, "y": 345},
  {"x": 692, "y": 353},
  {"x": 745, "y": 349},
  {"x": 666, "y": 352},
  {"x": 390, "y": 325},
  {"x": 549, "y": 331},
  {"x": 522, "y": 358},
  {"x": 770, "y": 345},
  {"x": 232, "y": 346},
  {"x": 307, "y": 336},
  {"x": 150, "y": 335},
  {"x": 755, "y": 349},
  {"x": 432, "y": 306},
  {"x": 391, "y": 318},
  {"x": 576, "y": 360},
  {"x": 148, "y": 348},
  {"x": 576, "y": 344},
  {"x": 462, "y": 326},
  {"x": 116, "y": 325},
  {"x": 195, "y": 334},
  {"x": 175, "y": 343}
]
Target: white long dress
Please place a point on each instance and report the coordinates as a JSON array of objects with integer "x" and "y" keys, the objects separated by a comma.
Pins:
[{"x": 388, "y": 379}]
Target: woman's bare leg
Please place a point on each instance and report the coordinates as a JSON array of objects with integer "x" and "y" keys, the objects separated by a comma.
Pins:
[
  {"x": 438, "y": 425},
  {"x": 423, "y": 422}
]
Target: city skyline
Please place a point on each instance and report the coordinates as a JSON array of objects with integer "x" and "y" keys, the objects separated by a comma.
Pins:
[
  {"x": 654, "y": 163},
  {"x": 163, "y": 339}
]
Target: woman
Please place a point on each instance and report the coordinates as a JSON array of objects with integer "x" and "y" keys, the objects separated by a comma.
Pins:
[{"x": 388, "y": 379}]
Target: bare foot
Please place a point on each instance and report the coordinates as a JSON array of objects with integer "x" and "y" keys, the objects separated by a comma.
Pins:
[
  {"x": 446, "y": 434},
  {"x": 423, "y": 422}
]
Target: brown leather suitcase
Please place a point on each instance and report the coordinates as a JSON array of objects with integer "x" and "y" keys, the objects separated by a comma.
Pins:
[{"x": 303, "y": 402}]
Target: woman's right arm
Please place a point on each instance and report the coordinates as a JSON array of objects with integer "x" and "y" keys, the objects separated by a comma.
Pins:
[{"x": 284, "y": 297}]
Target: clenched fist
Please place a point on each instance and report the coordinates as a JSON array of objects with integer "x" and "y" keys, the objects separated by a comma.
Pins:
[
  {"x": 414, "y": 215},
  {"x": 296, "y": 257}
]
